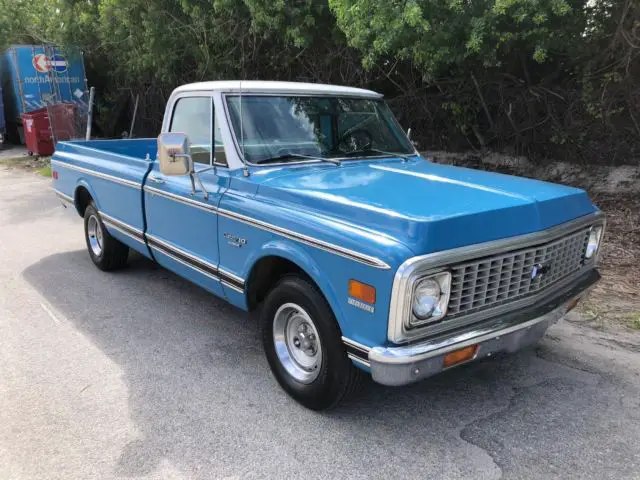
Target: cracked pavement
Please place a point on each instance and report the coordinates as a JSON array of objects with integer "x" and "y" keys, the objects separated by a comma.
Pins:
[{"x": 140, "y": 374}]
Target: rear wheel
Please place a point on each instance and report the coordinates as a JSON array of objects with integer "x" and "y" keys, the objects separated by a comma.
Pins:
[
  {"x": 106, "y": 252},
  {"x": 303, "y": 345}
]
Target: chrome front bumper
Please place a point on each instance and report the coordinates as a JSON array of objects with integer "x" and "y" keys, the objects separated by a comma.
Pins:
[{"x": 410, "y": 363}]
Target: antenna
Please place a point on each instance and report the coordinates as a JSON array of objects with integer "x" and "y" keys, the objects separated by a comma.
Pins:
[{"x": 245, "y": 170}]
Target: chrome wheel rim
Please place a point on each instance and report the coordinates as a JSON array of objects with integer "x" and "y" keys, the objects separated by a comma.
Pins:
[
  {"x": 297, "y": 342},
  {"x": 94, "y": 231}
]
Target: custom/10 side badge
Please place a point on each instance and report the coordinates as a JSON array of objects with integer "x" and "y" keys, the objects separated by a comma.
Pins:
[
  {"x": 235, "y": 241},
  {"x": 361, "y": 305}
]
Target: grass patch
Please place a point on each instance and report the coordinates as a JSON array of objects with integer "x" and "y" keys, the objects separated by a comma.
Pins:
[
  {"x": 601, "y": 310},
  {"x": 14, "y": 160},
  {"x": 633, "y": 321},
  {"x": 39, "y": 165},
  {"x": 44, "y": 171}
]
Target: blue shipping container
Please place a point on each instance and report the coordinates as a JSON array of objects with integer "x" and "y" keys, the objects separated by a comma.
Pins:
[
  {"x": 3, "y": 128},
  {"x": 35, "y": 76}
]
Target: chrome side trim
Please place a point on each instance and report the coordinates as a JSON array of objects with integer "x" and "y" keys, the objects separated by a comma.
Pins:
[
  {"x": 105, "y": 176},
  {"x": 228, "y": 279},
  {"x": 121, "y": 224},
  {"x": 124, "y": 232},
  {"x": 362, "y": 362},
  {"x": 232, "y": 287},
  {"x": 357, "y": 352},
  {"x": 63, "y": 196},
  {"x": 167, "y": 246},
  {"x": 123, "y": 228},
  {"x": 233, "y": 276},
  {"x": 231, "y": 280},
  {"x": 178, "y": 198},
  {"x": 168, "y": 254},
  {"x": 202, "y": 266},
  {"x": 422, "y": 265},
  {"x": 328, "y": 247},
  {"x": 356, "y": 345}
]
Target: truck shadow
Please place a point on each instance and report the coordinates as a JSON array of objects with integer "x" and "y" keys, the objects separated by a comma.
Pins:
[{"x": 202, "y": 396}]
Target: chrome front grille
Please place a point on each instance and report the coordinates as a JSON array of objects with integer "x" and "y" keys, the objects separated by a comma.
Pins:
[{"x": 498, "y": 279}]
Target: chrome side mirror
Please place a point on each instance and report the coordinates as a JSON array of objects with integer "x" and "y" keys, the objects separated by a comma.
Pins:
[{"x": 174, "y": 154}]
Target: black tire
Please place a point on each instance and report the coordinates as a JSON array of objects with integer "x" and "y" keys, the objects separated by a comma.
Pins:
[
  {"x": 337, "y": 378},
  {"x": 113, "y": 254}
]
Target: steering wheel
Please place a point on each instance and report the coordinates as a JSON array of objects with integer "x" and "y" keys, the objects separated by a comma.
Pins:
[
  {"x": 354, "y": 140},
  {"x": 283, "y": 151},
  {"x": 309, "y": 151}
]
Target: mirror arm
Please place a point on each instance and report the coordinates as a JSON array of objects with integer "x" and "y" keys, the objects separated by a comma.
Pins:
[
  {"x": 196, "y": 175},
  {"x": 193, "y": 175},
  {"x": 193, "y": 184}
]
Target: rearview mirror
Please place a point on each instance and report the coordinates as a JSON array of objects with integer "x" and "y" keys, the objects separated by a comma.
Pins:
[{"x": 174, "y": 154}]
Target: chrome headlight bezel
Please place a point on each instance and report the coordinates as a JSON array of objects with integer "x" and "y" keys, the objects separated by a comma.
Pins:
[
  {"x": 408, "y": 326},
  {"x": 594, "y": 242},
  {"x": 443, "y": 282}
]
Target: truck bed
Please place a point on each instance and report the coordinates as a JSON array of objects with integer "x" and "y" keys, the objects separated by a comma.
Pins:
[
  {"x": 134, "y": 148},
  {"x": 113, "y": 173}
]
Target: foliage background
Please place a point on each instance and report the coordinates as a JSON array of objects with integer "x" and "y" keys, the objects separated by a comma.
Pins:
[{"x": 550, "y": 79}]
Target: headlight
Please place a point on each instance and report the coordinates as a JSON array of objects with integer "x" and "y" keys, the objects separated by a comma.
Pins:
[
  {"x": 430, "y": 299},
  {"x": 594, "y": 241}
]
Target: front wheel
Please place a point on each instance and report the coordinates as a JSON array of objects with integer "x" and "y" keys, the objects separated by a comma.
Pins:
[
  {"x": 303, "y": 345},
  {"x": 106, "y": 252}
]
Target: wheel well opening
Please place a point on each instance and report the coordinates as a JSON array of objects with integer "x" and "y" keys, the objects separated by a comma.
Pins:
[
  {"x": 264, "y": 276},
  {"x": 81, "y": 199}
]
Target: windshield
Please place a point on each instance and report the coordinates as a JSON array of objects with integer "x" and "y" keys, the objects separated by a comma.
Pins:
[{"x": 290, "y": 128}]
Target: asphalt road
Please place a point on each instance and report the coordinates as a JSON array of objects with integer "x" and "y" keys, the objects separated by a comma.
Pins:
[{"x": 141, "y": 374}]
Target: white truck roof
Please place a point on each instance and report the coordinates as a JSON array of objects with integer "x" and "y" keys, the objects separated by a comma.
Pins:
[{"x": 259, "y": 86}]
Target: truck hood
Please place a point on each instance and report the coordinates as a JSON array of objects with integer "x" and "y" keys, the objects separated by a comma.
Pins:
[{"x": 426, "y": 206}]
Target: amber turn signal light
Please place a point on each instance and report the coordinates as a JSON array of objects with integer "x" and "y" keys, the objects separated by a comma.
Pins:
[
  {"x": 362, "y": 291},
  {"x": 460, "y": 356}
]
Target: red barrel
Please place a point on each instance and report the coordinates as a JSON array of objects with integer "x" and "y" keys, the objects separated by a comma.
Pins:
[
  {"x": 37, "y": 132},
  {"x": 40, "y": 124}
]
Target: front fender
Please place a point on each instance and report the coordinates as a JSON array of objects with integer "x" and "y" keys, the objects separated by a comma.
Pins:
[
  {"x": 294, "y": 252},
  {"x": 332, "y": 273}
]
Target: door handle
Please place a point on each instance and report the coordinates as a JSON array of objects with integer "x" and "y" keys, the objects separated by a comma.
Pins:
[{"x": 156, "y": 179}]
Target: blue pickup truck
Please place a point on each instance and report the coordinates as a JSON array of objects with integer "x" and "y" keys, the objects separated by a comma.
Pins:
[{"x": 309, "y": 205}]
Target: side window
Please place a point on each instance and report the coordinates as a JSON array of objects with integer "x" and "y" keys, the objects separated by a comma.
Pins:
[{"x": 194, "y": 116}]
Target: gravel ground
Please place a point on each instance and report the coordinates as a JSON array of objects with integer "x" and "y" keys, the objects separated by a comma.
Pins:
[
  {"x": 9, "y": 151},
  {"x": 141, "y": 374}
]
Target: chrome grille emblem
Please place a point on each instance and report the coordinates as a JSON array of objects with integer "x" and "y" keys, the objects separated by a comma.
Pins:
[{"x": 539, "y": 269}]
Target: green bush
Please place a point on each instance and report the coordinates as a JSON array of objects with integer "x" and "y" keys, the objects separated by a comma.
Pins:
[{"x": 547, "y": 78}]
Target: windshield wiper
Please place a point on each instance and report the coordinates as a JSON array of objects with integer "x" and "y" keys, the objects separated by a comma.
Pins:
[
  {"x": 286, "y": 156},
  {"x": 363, "y": 151}
]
